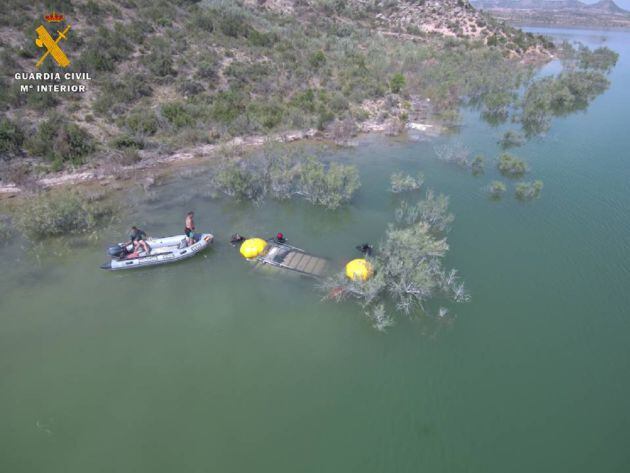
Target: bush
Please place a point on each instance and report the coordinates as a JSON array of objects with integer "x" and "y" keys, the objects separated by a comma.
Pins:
[
  {"x": 287, "y": 176},
  {"x": 160, "y": 61},
  {"x": 177, "y": 114},
  {"x": 240, "y": 183},
  {"x": 330, "y": 187},
  {"x": 408, "y": 268},
  {"x": 58, "y": 213},
  {"x": 602, "y": 58},
  {"x": 477, "y": 165},
  {"x": 233, "y": 24},
  {"x": 512, "y": 139},
  {"x": 126, "y": 141},
  {"x": 528, "y": 190},
  {"x": 557, "y": 96},
  {"x": 317, "y": 59},
  {"x": 59, "y": 141},
  {"x": 397, "y": 83},
  {"x": 208, "y": 69},
  {"x": 130, "y": 88},
  {"x": 226, "y": 106},
  {"x": 142, "y": 122},
  {"x": 496, "y": 189},
  {"x": 511, "y": 166},
  {"x": 11, "y": 138},
  {"x": 400, "y": 182}
]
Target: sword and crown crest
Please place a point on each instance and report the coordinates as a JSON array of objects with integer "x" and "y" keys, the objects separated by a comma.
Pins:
[{"x": 45, "y": 40}]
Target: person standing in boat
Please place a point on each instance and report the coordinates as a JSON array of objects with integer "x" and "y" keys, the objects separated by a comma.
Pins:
[
  {"x": 189, "y": 228},
  {"x": 138, "y": 238}
]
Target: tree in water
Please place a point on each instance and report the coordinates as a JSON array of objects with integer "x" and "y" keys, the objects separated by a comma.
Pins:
[
  {"x": 408, "y": 267},
  {"x": 401, "y": 182}
]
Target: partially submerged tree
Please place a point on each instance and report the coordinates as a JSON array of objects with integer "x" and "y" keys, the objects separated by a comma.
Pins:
[
  {"x": 496, "y": 189},
  {"x": 512, "y": 139},
  {"x": 511, "y": 166},
  {"x": 477, "y": 165},
  {"x": 528, "y": 190},
  {"x": 408, "y": 268},
  {"x": 455, "y": 153},
  {"x": 401, "y": 182},
  {"x": 286, "y": 175}
]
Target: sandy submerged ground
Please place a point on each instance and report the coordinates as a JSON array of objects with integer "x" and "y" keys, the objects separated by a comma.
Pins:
[{"x": 149, "y": 162}]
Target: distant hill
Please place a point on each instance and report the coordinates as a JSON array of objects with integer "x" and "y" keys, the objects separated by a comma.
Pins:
[
  {"x": 602, "y": 6},
  {"x": 604, "y": 14}
]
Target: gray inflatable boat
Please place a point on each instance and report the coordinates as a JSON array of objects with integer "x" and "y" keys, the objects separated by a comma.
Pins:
[{"x": 162, "y": 251}]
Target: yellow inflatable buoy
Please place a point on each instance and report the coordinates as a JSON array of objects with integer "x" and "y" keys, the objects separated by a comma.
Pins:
[
  {"x": 359, "y": 269},
  {"x": 253, "y": 247}
]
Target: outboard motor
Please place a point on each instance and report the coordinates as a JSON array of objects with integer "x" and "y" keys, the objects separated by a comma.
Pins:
[{"x": 117, "y": 251}]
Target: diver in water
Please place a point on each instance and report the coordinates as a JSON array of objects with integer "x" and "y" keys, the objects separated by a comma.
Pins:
[
  {"x": 366, "y": 249},
  {"x": 236, "y": 239}
]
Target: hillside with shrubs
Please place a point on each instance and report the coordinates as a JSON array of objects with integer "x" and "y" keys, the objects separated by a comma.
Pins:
[{"x": 169, "y": 75}]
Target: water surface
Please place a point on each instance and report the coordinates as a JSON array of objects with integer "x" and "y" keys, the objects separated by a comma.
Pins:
[{"x": 210, "y": 366}]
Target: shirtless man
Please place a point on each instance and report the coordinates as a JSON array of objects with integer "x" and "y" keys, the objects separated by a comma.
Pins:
[{"x": 189, "y": 229}]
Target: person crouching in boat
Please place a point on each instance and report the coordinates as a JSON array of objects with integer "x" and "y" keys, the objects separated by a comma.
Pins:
[
  {"x": 189, "y": 228},
  {"x": 137, "y": 238}
]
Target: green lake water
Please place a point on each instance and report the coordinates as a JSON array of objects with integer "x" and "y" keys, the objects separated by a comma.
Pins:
[{"x": 209, "y": 366}]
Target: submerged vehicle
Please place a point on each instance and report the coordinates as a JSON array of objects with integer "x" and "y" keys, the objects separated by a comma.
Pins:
[
  {"x": 162, "y": 251},
  {"x": 277, "y": 252}
]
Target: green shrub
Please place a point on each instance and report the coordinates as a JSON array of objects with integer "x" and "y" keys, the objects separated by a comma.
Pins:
[
  {"x": 317, "y": 59},
  {"x": 59, "y": 141},
  {"x": 304, "y": 101},
  {"x": 511, "y": 166},
  {"x": 204, "y": 21},
  {"x": 226, "y": 106},
  {"x": 477, "y": 165},
  {"x": 121, "y": 93},
  {"x": 512, "y": 139},
  {"x": 269, "y": 114},
  {"x": 397, "y": 83},
  {"x": 401, "y": 182},
  {"x": 177, "y": 114},
  {"x": 330, "y": 187},
  {"x": 126, "y": 141},
  {"x": 105, "y": 49},
  {"x": 286, "y": 176},
  {"x": 496, "y": 189},
  {"x": 528, "y": 190},
  {"x": 233, "y": 23},
  {"x": 160, "y": 61},
  {"x": 602, "y": 58},
  {"x": 208, "y": 68},
  {"x": 256, "y": 38},
  {"x": 238, "y": 182},
  {"x": 408, "y": 268},
  {"x": 58, "y": 213},
  {"x": 142, "y": 122},
  {"x": 11, "y": 138}
]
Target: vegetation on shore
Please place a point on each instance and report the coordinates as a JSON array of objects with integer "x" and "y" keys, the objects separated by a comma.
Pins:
[{"x": 169, "y": 75}]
